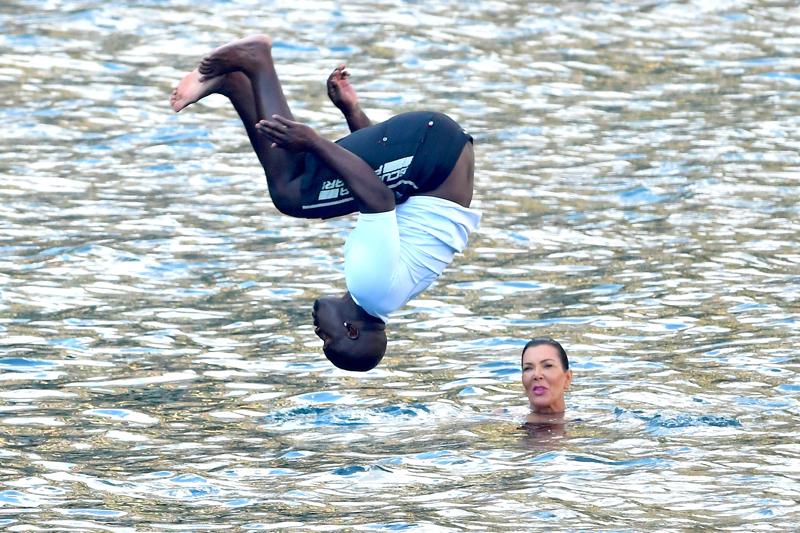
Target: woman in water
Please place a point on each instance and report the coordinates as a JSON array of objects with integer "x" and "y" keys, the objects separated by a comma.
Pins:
[{"x": 545, "y": 377}]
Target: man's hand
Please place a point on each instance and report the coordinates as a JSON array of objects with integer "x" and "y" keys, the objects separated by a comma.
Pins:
[
  {"x": 344, "y": 97},
  {"x": 340, "y": 91},
  {"x": 371, "y": 194},
  {"x": 286, "y": 134}
]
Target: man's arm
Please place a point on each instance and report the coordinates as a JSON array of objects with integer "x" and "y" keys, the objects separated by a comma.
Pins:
[
  {"x": 344, "y": 97},
  {"x": 369, "y": 191}
]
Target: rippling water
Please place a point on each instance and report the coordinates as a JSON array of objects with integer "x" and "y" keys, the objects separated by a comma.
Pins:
[{"x": 639, "y": 175}]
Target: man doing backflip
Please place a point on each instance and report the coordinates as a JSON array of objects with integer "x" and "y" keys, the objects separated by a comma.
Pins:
[{"x": 410, "y": 178}]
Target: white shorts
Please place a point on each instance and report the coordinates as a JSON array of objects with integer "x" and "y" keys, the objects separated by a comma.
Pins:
[{"x": 391, "y": 257}]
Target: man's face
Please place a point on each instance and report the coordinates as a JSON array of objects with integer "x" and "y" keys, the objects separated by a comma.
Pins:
[{"x": 327, "y": 322}]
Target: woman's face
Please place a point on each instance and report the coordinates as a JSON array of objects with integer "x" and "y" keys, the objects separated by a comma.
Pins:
[{"x": 544, "y": 379}]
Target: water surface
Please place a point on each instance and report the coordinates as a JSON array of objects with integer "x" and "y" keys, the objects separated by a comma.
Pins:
[{"x": 638, "y": 174}]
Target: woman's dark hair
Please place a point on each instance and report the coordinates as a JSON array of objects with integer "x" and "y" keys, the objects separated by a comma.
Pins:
[{"x": 562, "y": 353}]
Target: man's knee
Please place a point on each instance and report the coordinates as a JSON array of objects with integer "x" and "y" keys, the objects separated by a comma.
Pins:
[
  {"x": 287, "y": 206},
  {"x": 286, "y": 201}
]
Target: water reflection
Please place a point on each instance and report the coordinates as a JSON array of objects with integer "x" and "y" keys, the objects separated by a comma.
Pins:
[
  {"x": 638, "y": 176},
  {"x": 543, "y": 435}
]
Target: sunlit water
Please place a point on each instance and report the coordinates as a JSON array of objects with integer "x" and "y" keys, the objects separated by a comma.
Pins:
[{"x": 639, "y": 176}]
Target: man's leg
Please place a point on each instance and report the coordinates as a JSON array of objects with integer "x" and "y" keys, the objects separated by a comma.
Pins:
[
  {"x": 458, "y": 185},
  {"x": 244, "y": 72}
]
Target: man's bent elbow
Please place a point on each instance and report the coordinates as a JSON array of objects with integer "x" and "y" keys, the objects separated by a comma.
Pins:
[{"x": 378, "y": 201}]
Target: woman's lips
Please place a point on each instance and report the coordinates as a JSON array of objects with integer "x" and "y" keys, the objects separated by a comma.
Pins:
[{"x": 539, "y": 390}]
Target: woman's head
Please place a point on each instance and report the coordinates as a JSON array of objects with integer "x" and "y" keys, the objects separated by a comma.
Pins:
[
  {"x": 545, "y": 375},
  {"x": 562, "y": 353}
]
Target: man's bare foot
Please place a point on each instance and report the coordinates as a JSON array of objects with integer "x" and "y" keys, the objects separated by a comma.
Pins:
[
  {"x": 246, "y": 54},
  {"x": 191, "y": 89}
]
